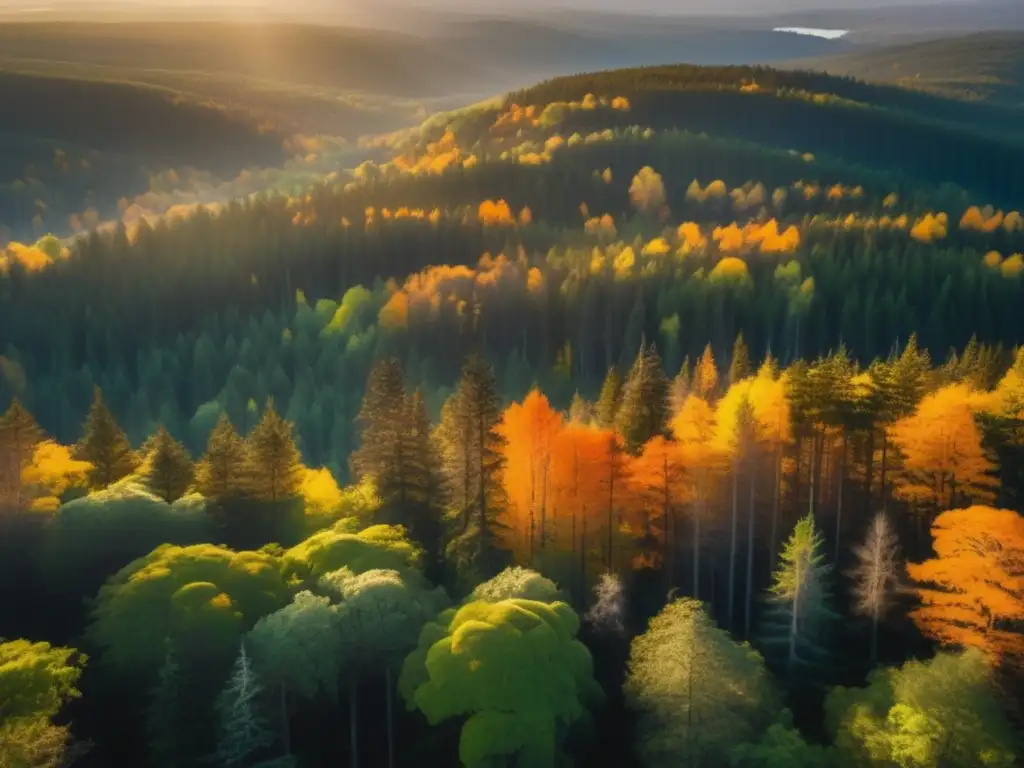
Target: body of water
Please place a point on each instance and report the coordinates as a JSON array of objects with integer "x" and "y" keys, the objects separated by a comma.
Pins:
[{"x": 828, "y": 34}]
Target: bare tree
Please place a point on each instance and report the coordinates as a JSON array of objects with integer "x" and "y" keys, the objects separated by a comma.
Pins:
[{"x": 876, "y": 577}]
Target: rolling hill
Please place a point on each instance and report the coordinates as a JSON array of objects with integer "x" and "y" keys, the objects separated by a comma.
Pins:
[{"x": 985, "y": 66}]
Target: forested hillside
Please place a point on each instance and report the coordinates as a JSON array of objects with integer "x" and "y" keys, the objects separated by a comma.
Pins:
[{"x": 670, "y": 416}]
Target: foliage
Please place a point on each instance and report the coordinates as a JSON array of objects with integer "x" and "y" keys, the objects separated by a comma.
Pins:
[
  {"x": 377, "y": 547},
  {"x": 104, "y": 446},
  {"x": 971, "y": 590},
  {"x": 697, "y": 692},
  {"x": 513, "y": 667},
  {"x": 516, "y": 583},
  {"x": 932, "y": 713}
]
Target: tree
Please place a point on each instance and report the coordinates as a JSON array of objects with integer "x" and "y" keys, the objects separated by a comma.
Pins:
[
  {"x": 275, "y": 462},
  {"x": 171, "y": 740},
  {"x": 473, "y": 464},
  {"x": 739, "y": 363},
  {"x": 797, "y": 624},
  {"x": 170, "y": 468},
  {"x": 223, "y": 472},
  {"x": 971, "y": 591},
  {"x": 242, "y": 732},
  {"x": 944, "y": 463},
  {"x": 383, "y": 420},
  {"x": 705, "y": 377},
  {"x": 36, "y": 679},
  {"x": 514, "y": 669},
  {"x": 876, "y": 577},
  {"x": 105, "y": 446},
  {"x": 607, "y": 407},
  {"x": 379, "y": 617},
  {"x": 19, "y": 436},
  {"x": 697, "y": 692},
  {"x": 782, "y": 746},
  {"x": 663, "y": 483},
  {"x": 925, "y": 714},
  {"x": 647, "y": 191},
  {"x": 643, "y": 411},
  {"x": 424, "y": 494},
  {"x": 516, "y": 583}
]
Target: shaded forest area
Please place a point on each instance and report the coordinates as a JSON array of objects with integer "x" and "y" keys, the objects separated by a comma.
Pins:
[{"x": 557, "y": 438}]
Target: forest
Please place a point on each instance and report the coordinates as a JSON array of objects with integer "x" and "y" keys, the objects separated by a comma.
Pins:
[{"x": 595, "y": 424}]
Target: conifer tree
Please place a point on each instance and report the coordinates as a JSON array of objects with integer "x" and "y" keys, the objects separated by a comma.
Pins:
[
  {"x": 171, "y": 470},
  {"x": 167, "y": 731},
  {"x": 223, "y": 472},
  {"x": 383, "y": 424},
  {"x": 580, "y": 411},
  {"x": 797, "y": 623},
  {"x": 705, "y": 377},
  {"x": 473, "y": 462},
  {"x": 275, "y": 461},
  {"x": 105, "y": 446},
  {"x": 643, "y": 412},
  {"x": 739, "y": 366},
  {"x": 608, "y": 402},
  {"x": 242, "y": 732},
  {"x": 680, "y": 387},
  {"x": 423, "y": 480},
  {"x": 876, "y": 575},
  {"x": 19, "y": 435}
]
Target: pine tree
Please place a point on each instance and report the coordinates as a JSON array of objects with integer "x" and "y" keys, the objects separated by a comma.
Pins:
[
  {"x": 242, "y": 732},
  {"x": 705, "y": 378},
  {"x": 19, "y": 436},
  {"x": 423, "y": 480},
  {"x": 580, "y": 411},
  {"x": 643, "y": 412},
  {"x": 167, "y": 731},
  {"x": 171, "y": 470},
  {"x": 471, "y": 446},
  {"x": 223, "y": 472},
  {"x": 680, "y": 387},
  {"x": 798, "y": 622},
  {"x": 382, "y": 421},
  {"x": 739, "y": 367},
  {"x": 275, "y": 461},
  {"x": 105, "y": 446},
  {"x": 607, "y": 406},
  {"x": 876, "y": 575}
]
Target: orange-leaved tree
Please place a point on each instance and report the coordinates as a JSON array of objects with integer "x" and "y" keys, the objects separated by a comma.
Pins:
[
  {"x": 973, "y": 589},
  {"x": 661, "y": 485},
  {"x": 943, "y": 462}
]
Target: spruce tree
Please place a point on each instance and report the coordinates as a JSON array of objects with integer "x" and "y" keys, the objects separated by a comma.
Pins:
[
  {"x": 223, "y": 472},
  {"x": 705, "y": 377},
  {"x": 643, "y": 413},
  {"x": 607, "y": 406},
  {"x": 383, "y": 423},
  {"x": 105, "y": 446},
  {"x": 471, "y": 416},
  {"x": 580, "y": 411},
  {"x": 275, "y": 462},
  {"x": 423, "y": 478},
  {"x": 171, "y": 470},
  {"x": 739, "y": 366},
  {"x": 19, "y": 436},
  {"x": 170, "y": 739},
  {"x": 680, "y": 386},
  {"x": 242, "y": 732},
  {"x": 798, "y": 620}
]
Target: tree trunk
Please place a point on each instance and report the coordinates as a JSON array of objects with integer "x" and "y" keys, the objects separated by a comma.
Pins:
[
  {"x": 388, "y": 696},
  {"x": 794, "y": 627},
  {"x": 882, "y": 490},
  {"x": 732, "y": 543},
  {"x": 353, "y": 724},
  {"x": 839, "y": 503},
  {"x": 696, "y": 543},
  {"x": 750, "y": 551},
  {"x": 611, "y": 506},
  {"x": 776, "y": 499},
  {"x": 874, "y": 635},
  {"x": 869, "y": 471}
]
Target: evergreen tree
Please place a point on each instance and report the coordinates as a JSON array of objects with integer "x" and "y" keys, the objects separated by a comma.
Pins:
[
  {"x": 275, "y": 462},
  {"x": 242, "y": 732},
  {"x": 473, "y": 464},
  {"x": 170, "y": 739},
  {"x": 580, "y": 411},
  {"x": 422, "y": 516},
  {"x": 171, "y": 470},
  {"x": 797, "y": 623},
  {"x": 705, "y": 377},
  {"x": 105, "y": 446},
  {"x": 607, "y": 406},
  {"x": 643, "y": 412},
  {"x": 223, "y": 472},
  {"x": 739, "y": 366},
  {"x": 383, "y": 423},
  {"x": 680, "y": 386},
  {"x": 19, "y": 435}
]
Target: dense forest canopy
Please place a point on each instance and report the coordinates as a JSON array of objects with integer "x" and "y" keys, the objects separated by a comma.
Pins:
[{"x": 670, "y": 416}]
